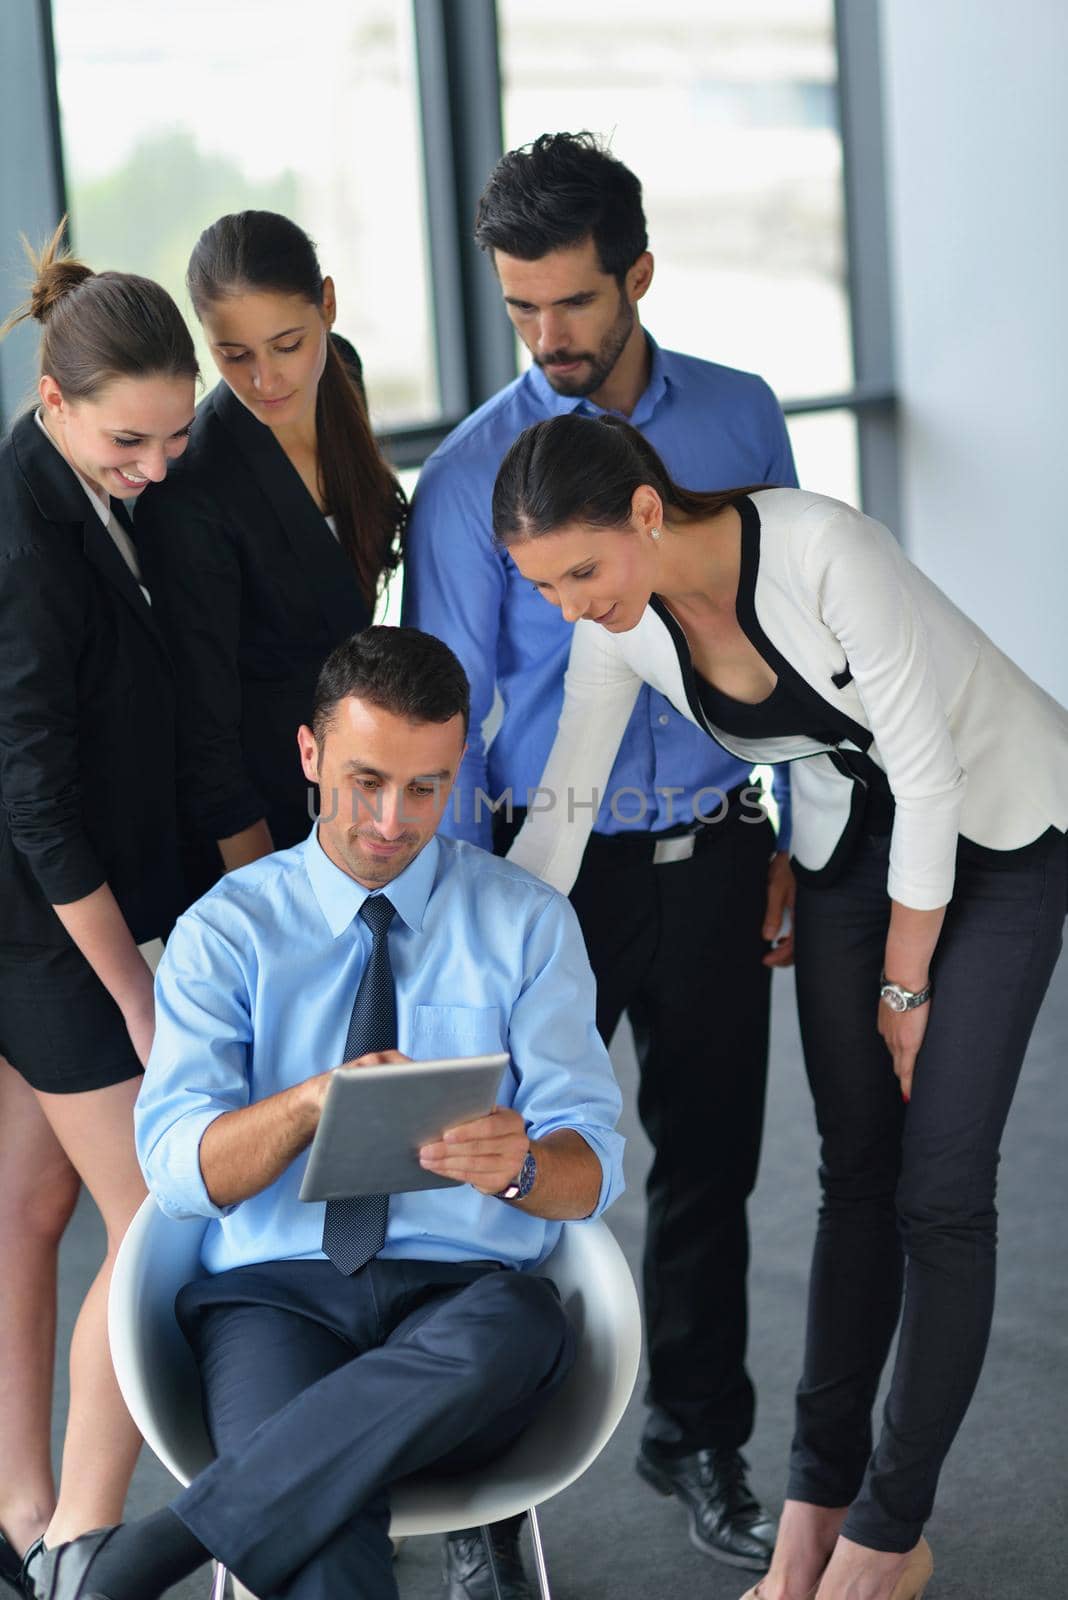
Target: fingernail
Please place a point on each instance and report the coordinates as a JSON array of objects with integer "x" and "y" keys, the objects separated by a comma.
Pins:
[{"x": 905, "y": 1097}]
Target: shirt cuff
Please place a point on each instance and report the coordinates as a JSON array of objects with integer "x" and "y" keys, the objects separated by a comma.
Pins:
[{"x": 173, "y": 1172}]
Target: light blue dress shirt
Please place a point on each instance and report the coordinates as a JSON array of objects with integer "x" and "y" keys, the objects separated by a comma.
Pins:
[
  {"x": 254, "y": 994},
  {"x": 714, "y": 427}
]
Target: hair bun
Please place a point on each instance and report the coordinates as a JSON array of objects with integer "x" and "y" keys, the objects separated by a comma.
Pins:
[{"x": 55, "y": 279}]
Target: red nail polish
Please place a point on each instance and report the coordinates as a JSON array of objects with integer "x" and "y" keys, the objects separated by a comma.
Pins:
[{"x": 905, "y": 1097}]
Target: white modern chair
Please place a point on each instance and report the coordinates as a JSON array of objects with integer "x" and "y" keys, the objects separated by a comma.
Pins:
[{"x": 161, "y": 1386}]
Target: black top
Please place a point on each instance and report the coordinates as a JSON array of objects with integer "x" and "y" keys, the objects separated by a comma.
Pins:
[
  {"x": 782, "y": 714},
  {"x": 253, "y": 592},
  {"x": 776, "y": 717},
  {"x": 87, "y": 768}
]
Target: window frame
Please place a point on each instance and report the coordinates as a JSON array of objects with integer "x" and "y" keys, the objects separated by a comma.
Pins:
[{"x": 459, "y": 88}]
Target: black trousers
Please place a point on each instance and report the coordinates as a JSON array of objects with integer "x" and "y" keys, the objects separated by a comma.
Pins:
[
  {"x": 679, "y": 948},
  {"x": 320, "y": 1391},
  {"x": 907, "y": 1223}
]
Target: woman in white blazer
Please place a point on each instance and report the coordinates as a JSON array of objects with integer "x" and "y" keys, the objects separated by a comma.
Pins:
[{"x": 930, "y": 786}]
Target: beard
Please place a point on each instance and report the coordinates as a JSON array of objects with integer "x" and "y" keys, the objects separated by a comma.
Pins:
[
  {"x": 376, "y": 871},
  {"x": 601, "y": 362}
]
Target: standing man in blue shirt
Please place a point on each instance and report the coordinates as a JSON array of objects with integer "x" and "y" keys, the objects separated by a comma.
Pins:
[
  {"x": 344, "y": 1346},
  {"x": 677, "y": 915}
]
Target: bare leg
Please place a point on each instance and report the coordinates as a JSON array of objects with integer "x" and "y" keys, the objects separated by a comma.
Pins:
[
  {"x": 101, "y": 1446},
  {"x": 807, "y": 1536},
  {"x": 38, "y": 1192}
]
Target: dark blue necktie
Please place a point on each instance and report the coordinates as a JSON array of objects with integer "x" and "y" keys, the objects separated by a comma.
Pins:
[{"x": 355, "y": 1230}]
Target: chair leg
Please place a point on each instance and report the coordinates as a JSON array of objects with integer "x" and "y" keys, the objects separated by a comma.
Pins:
[
  {"x": 491, "y": 1562},
  {"x": 539, "y": 1555},
  {"x": 218, "y": 1582}
]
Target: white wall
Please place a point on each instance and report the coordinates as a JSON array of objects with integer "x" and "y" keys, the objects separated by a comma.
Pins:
[{"x": 977, "y": 138}]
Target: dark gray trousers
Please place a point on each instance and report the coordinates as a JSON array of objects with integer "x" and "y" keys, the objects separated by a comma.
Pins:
[
  {"x": 908, "y": 1223},
  {"x": 320, "y": 1391}
]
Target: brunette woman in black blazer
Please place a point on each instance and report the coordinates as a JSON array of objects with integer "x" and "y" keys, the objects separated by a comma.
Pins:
[
  {"x": 88, "y": 862},
  {"x": 268, "y": 545}
]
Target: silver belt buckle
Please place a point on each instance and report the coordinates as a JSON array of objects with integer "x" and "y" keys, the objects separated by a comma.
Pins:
[{"x": 668, "y": 850}]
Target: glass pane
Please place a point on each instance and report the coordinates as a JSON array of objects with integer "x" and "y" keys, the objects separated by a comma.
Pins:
[
  {"x": 727, "y": 112},
  {"x": 825, "y": 449},
  {"x": 175, "y": 114}
]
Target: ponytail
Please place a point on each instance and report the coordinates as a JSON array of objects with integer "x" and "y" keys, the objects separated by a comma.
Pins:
[{"x": 368, "y": 504}]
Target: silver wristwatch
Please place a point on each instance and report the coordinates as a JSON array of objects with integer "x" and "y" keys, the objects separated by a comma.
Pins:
[{"x": 901, "y": 999}]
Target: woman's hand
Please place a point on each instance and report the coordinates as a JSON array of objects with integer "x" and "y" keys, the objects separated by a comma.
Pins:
[
  {"x": 140, "y": 1020},
  {"x": 778, "y": 927},
  {"x": 902, "y": 1032},
  {"x": 910, "y": 947}
]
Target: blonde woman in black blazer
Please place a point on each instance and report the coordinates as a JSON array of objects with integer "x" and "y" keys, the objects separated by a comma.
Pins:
[
  {"x": 930, "y": 804},
  {"x": 88, "y": 863},
  {"x": 269, "y": 544}
]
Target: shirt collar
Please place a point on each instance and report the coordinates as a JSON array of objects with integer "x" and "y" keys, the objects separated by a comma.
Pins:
[
  {"x": 102, "y": 508},
  {"x": 340, "y": 897},
  {"x": 559, "y": 405}
]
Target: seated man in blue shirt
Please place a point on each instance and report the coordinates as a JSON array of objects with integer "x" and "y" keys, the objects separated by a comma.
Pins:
[
  {"x": 677, "y": 915},
  {"x": 342, "y": 1347}
]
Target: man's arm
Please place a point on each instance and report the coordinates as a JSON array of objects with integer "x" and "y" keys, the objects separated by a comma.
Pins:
[
  {"x": 780, "y": 470},
  {"x": 567, "y": 1101},
  {"x": 243, "y": 1152},
  {"x": 454, "y": 588}
]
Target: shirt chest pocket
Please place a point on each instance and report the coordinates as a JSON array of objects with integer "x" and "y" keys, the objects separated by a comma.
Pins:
[{"x": 454, "y": 1031}]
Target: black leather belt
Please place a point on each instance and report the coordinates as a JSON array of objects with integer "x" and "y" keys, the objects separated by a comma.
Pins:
[{"x": 679, "y": 843}]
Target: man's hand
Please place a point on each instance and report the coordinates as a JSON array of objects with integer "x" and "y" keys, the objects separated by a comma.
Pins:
[
  {"x": 782, "y": 893},
  {"x": 902, "y": 1032},
  {"x": 376, "y": 1058},
  {"x": 318, "y": 1086},
  {"x": 486, "y": 1153}
]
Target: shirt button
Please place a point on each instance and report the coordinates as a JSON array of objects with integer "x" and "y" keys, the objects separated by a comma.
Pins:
[{"x": 663, "y": 719}]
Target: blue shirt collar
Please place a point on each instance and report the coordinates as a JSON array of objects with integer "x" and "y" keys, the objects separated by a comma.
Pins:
[
  {"x": 559, "y": 405},
  {"x": 340, "y": 897}
]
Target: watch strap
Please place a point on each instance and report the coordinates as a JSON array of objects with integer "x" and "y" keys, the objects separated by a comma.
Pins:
[
  {"x": 523, "y": 1182},
  {"x": 901, "y": 999}
]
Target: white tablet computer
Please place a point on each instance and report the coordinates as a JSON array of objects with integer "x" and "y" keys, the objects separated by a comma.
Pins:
[{"x": 375, "y": 1119}]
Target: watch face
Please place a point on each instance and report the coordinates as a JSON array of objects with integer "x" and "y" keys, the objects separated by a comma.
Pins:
[{"x": 895, "y": 1001}]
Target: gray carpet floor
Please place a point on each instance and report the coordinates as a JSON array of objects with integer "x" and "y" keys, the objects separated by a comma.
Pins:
[{"x": 1000, "y": 1530}]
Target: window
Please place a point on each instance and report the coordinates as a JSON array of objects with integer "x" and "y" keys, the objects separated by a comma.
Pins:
[
  {"x": 174, "y": 115},
  {"x": 727, "y": 112}
]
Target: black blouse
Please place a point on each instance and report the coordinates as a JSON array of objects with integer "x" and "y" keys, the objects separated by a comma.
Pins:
[{"x": 783, "y": 714}]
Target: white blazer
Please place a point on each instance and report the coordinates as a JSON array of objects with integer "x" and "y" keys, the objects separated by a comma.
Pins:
[{"x": 970, "y": 745}]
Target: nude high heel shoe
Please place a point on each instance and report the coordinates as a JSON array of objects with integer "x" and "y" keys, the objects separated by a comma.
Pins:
[{"x": 912, "y": 1584}]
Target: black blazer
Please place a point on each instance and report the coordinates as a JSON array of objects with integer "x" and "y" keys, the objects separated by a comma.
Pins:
[
  {"x": 87, "y": 758},
  {"x": 253, "y": 592}
]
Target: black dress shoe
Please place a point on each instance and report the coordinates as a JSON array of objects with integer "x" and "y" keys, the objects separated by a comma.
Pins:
[
  {"x": 62, "y": 1573},
  {"x": 726, "y": 1519},
  {"x": 467, "y": 1573}
]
